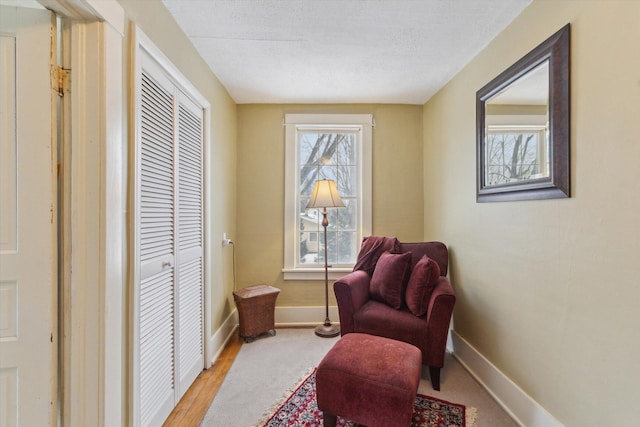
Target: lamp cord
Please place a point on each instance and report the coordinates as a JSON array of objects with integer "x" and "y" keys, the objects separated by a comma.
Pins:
[{"x": 234, "y": 265}]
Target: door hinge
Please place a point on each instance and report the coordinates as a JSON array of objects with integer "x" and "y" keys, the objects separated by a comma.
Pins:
[{"x": 60, "y": 80}]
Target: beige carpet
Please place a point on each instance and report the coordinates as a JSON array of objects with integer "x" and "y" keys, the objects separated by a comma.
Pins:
[{"x": 265, "y": 369}]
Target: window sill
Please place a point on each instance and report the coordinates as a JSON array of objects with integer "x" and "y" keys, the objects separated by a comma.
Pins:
[{"x": 315, "y": 273}]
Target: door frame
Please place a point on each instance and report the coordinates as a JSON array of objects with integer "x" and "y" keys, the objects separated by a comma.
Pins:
[
  {"x": 95, "y": 285},
  {"x": 93, "y": 276}
]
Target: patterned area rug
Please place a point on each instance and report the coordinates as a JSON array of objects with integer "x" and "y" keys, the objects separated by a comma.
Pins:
[{"x": 299, "y": 408}]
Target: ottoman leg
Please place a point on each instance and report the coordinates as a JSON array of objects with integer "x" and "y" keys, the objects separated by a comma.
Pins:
[{"x": 329, "y": 420}]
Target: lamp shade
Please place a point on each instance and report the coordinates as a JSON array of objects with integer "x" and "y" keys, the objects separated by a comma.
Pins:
[{"x": 325, "y": 195}]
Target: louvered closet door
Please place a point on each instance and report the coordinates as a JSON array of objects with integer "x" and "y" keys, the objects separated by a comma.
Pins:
[
  {"x": 189, "y": 317},
  {"x": 156, "y": 249},
  {"x": 170, "y": 222}
]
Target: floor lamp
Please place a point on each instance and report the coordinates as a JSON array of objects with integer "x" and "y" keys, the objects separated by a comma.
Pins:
[{"x": 325, "y": 195}]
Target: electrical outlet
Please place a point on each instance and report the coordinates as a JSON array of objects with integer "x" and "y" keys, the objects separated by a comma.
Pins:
[{"x": 226, "y": 241}]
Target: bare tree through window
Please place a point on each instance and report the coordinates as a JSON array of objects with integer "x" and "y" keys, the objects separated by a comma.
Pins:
[
  {"x": 513, "y": 156},
  {"x": 328, "y": 156}
]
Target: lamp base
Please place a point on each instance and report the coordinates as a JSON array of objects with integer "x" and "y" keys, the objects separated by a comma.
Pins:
[{"x": 327, "y": 330}]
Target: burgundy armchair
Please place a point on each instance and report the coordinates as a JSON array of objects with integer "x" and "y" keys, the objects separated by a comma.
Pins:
[{"x": 362, "y": 310}]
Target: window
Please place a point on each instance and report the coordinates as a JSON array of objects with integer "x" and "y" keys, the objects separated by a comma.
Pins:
[
  {"x": 516, "y": 153},
  {"x": 337, "y": 147}
]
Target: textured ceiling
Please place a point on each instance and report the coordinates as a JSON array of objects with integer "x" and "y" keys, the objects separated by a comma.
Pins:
[{"x": 340, "y": 51}]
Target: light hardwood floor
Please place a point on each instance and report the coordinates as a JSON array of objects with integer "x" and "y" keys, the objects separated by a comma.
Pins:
[{"x": 195, "y": 402}]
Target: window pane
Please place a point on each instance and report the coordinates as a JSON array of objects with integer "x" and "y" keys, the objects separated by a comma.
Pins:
[
  {"x": 332, "y": 244},
  {"x": 346, "y": 180},
  {"x": 329, "y": 172},
  {"x": 308, "y": 234},
  {"x": 347, "y": 150},
  {"x": 332, "y": 216},
  {"x": 306, "y": 185},
  {"x": 310, "y": 148},
  {"x": 347, "y": 247},
  {"x": 326, "y": 149},
  {"x": 347, "y": 215},
  {"x": 304, "y": 201}
]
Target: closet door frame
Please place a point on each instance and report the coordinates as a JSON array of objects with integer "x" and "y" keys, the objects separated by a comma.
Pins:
[{"x": 141, "y": 45}]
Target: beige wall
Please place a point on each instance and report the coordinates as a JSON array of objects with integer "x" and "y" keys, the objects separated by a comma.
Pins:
[
  {"x": 397, "y": 189},
  {"x": 549, "y": 291},
  {"x": 155, "y": 21}
]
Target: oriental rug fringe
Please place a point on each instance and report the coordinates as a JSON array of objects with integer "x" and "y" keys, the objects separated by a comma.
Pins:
[{"x": 299, "y": 408}]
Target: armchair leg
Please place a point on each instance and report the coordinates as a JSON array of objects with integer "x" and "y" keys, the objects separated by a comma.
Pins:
[
  {"x": 434, "y": 374},
  {"x": 328, "y": 420}
]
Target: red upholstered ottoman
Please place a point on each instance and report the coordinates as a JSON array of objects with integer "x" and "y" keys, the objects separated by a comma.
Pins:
[{"x": 369, "y": 380}]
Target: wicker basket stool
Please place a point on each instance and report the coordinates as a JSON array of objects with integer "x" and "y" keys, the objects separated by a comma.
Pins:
[
  {"x": 256, "y": 306},
  {"x": 369, "y": 380}
]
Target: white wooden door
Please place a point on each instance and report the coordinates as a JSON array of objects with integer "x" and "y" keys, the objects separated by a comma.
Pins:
[{"x": 28, "y": 255}]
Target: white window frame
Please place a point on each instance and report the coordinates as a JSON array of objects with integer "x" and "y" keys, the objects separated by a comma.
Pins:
[{"x": 294, "y": 123}]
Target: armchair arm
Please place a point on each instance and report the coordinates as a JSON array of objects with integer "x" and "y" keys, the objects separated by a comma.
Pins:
[
  {"x": 439, "y": 315},
  {"x": 351, "y": 291}
]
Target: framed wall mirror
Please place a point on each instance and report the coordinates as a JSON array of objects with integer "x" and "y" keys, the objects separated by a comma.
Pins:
[{"x": 522, "y": 127}]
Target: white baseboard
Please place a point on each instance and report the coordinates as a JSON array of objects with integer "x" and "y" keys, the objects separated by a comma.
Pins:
[
  {"x": 304, "y": 316},
  {"x": 519, "y": 405},
  {"x": 222, "y": 335}
]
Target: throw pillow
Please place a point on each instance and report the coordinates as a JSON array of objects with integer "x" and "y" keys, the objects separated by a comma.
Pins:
[
  {"x": 389, "y": 277},
  {"x": 422, "y": 282}
]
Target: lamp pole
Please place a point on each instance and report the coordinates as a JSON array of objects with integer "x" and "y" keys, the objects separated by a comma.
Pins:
[
  {"x": 326, "y": 330},
  {"x": 325, "y": 194}
]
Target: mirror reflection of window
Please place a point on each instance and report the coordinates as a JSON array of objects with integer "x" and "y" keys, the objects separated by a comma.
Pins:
[{"x": 517, "y": 124}]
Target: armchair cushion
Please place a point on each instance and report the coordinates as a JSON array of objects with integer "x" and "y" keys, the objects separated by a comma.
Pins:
[
  {"x": 389, "y": 277},
  {"x": 423, "y": 280},
  {"x": 376, "y": 318}
]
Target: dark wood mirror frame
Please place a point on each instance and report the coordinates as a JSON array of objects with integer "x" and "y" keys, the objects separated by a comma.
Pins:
[{"x": 555, "y": 50}]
